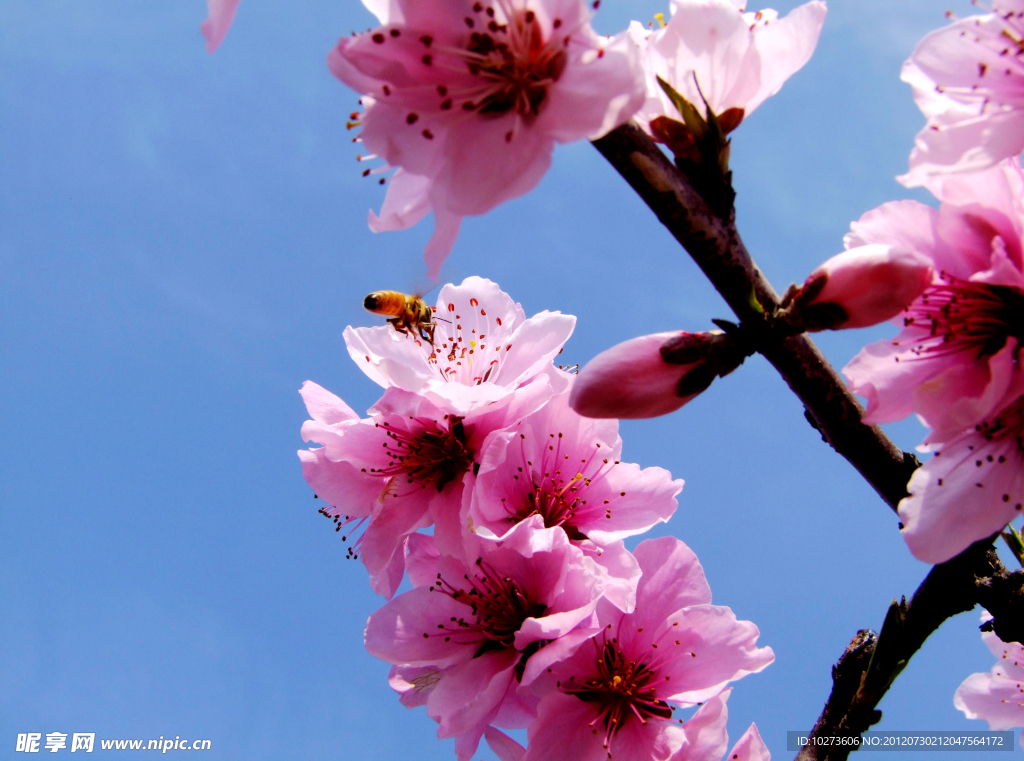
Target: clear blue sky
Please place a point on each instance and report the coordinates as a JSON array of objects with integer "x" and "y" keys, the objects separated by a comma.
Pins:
[{"x": 182, "y": 241}]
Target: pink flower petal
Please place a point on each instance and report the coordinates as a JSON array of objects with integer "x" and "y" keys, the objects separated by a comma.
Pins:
[
  {"x": 382, "y": 548},
  {"x": 722, "y": 649},
  {"x": 220, "y": 14},
  {"x": 423, "y": 561},
  {"x": 503, "y": 746},
  {"x": 441, "y": 243},
  {"x": 584, "y": 109},
  {"x": 905, "y": 225},
  {"x": 673, "y": 578},
  {"x": 562, "y": 731},
  {"x": 395, "y": 633},
  {"x": 785, "y": 45},
  {"x": 750, "y": 747},
  {"x": 970, "y": 489},
  {"x": 340, "y": 484},
  {"x": 467, "y": 699},
  {"x": 706, "y": 734},
  {"x": 325, "y": 407},
  {"x": 406, "y": 203}
]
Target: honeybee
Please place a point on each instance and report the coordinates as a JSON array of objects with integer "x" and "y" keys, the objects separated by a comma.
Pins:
[{"x": 406, "y": 313}]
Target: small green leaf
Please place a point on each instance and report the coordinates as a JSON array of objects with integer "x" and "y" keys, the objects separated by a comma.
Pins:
[
  {"x": 1015, "y": 542},
  {"x": 691, "y": 116},
  {"x": 754, "y": 303}
]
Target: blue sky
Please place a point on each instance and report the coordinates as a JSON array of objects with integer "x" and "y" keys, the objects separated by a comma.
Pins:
[{"x": 182, "y": 241}]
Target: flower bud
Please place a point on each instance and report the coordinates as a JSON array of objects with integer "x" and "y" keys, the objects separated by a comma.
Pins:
[
  {"x": 652, "y": 375},
  {"x": 861, "y": 287}
]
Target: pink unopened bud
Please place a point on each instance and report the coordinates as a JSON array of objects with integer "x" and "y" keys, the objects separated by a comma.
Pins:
[
  {"x": 652, "y": 375},
  {"x": 861, "y": 287}
]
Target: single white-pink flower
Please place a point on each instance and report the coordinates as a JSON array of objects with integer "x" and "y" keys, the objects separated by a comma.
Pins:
[
  {"x": 470, "y": 638},
  {"x": 616, "y": 694},
  {"x": 968, "y": 81},
  {"x": 469, "y": 98},
  {"x": 714, "y": 51},
  {"x": 485, "y": 348},
  {"x": 998, "y": 696},
  {"x": 220, "y": 15},
  {"x": 955, "y": 362}
]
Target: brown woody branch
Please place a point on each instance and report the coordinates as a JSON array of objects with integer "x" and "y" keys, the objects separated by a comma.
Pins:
[
  {"x": 872, "y": 662},
  {"x": 715, "y": 245}
]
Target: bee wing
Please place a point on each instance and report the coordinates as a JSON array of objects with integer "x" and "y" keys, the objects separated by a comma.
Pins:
[{"x": 423, "y": 288}]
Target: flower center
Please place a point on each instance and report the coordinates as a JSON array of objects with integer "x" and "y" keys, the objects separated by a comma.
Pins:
[
  {"x": 462, "y": 352},
  {"x": 958, "y": 315},
  {"x": 516, "y": 66},
  {"x": 555, "y": 486},
  {"x": 555, "y": 501},
  {"x": 621, "y": 689},
  {"x": 498, "y": 607},
  {"x": 435, "y": 456}
]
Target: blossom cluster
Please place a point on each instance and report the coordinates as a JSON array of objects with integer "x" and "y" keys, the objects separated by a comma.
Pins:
[
  {"x": 952, "y": 279},
  {"x": 476, "y": 476},
  {"x": 525, "y": 609}
]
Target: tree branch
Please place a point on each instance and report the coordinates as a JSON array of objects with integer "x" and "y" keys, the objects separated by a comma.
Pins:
[
  {"x": 872, "y": 662},
  {"x": 715, "y": 245}
]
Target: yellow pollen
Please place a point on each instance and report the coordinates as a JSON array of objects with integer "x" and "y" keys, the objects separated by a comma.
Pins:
[
  {"x": 565, "y": 488},
  {"x": 660, "y": 18}
]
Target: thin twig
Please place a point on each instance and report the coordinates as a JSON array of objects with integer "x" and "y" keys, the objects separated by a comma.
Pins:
[{"x": 715, "y": 245}]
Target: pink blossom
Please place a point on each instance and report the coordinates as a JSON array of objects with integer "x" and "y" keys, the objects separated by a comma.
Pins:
[
  {"x": 566, "y": 469},
  {"x": 864, "y": 286},
  {"x": 470, "y": 638},
  {"x": 970, "y": 489},
  {"x": 968, "y": 80},
  {"x": 470, "y": 98},
  {"x": 706, "y": 738},
  {"x": 736, "y": 59},
  {"x": 484, "y": 348},
  {"x": 220, "y": 14},
  {"x": 412, "y": 461},
  {"x": 616, "y": 694},
  {"x": 654, "y": 374},
  {"x": 998, "y": 696},
  {"x": 955, "y": 361}
]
